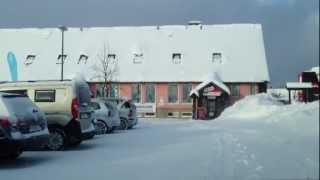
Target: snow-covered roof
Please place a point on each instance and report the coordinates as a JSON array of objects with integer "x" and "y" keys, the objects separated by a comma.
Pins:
[
  {"x": 301, "y": 85},
  {"x": 241, "y": 46},
  {"x": 315, "y": 69},
  {"x": 212, "y": 78}
]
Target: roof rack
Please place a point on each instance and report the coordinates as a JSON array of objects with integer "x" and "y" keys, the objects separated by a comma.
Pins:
[{"x": 51, "y": 80}]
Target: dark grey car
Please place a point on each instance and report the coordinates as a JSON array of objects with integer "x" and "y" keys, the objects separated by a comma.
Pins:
[{"x": 22, "y": 125}]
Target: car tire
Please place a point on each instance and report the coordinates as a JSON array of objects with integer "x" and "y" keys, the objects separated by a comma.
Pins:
[
  {"x": 101, "y": 127},
  {"x": 124, "y": 124},
  {"x": 57, "y": 139}
]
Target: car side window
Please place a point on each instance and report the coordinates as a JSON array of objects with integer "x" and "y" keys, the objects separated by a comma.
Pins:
[
  {"x": 126, "y": 105},
  {"x": 45, "y": 95},
  {"x": 22, "y": 91},
  {"x": 95, "y": 105}
]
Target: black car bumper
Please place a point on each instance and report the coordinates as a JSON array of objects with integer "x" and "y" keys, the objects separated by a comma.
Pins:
[{"x": 8, "y": 145}]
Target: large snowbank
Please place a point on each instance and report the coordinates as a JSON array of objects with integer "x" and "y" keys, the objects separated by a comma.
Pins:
[
  {"x": 252, "y": 107},
  {"x": 264, "y": 108}
]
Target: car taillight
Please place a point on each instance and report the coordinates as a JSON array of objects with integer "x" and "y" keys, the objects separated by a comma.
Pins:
[
  {"x": 74, "y": 108},
  {"x": 300, "y": 77},
  {"x": 4, "y": 122}
]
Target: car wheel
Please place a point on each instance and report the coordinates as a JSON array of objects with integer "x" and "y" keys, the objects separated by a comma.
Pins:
[
  {"x": 101, "y": 127},
  {"x": 123, "y": 124},
  {"x": 57, "y": 139}
]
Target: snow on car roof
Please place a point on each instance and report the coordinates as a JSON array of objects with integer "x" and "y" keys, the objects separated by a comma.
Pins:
[{"x": 155, "y": 45}]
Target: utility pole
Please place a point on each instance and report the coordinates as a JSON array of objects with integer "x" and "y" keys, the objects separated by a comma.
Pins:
[{"x": 63, "y": 29}]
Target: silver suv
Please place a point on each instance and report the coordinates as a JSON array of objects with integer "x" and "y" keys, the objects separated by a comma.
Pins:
[{"x": 22, "y": 125}]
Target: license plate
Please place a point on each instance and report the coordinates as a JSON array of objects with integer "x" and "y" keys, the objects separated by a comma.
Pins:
[
  {"x": 34, "y": 128},
  {"x": 84, "y": 116}
]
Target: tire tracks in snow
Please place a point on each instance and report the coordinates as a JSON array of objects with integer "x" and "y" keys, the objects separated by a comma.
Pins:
[{"x": 231, "y": 160}]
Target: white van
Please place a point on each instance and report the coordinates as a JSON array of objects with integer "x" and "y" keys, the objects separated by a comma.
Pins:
[{"x": 66, "y": 106}]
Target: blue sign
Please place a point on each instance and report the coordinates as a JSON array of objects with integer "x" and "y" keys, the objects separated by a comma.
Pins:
[{"x": 12, "y": 62}]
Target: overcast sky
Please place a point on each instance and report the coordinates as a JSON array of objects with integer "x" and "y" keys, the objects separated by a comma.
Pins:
[{"x": 291, "y": 27}]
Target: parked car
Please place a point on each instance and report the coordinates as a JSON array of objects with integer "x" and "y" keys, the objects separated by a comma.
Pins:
[
  {"x": 127, "y": 109},
  {"x": 66, "y": 106},
  {"x": 106, "y": 116},
  {"x": 22, "y": 125}
]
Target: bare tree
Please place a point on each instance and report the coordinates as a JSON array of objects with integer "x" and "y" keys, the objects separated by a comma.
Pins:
[{"x": 106, "y": 68}]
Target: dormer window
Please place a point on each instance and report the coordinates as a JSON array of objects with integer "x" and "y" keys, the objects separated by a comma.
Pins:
[
  {"x": 176, "y": 58},
  {"x": 29, "y": 59},
  {"x": 83, "y": 58},
  {"x": 112, "y": 57},
  {"x": 137, "y": 58},
  {"x": 217, "y": 58},
  {"x": 60, "y": 58}
]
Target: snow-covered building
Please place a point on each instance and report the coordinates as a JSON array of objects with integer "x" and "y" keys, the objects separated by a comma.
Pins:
[{"x": 158, "y": 66}]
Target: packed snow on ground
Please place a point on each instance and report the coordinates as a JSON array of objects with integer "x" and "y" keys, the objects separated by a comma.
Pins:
[{"x": 274, "y": 141}]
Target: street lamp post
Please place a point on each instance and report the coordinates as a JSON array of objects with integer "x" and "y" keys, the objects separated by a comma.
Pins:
[{"x": 63, "y": 29}]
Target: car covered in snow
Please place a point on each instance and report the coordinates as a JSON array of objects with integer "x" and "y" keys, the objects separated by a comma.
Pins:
[
  {"x": 127, "y": 109},
  {"x": 22, "y": 125},
  {"x": 66, "y": 106},
  {"x": 107, "y": 116}
]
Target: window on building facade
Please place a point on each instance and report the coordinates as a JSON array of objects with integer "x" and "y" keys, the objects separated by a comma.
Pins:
[
  {"x": 172, "y": 93},
  {"x": 216, "y": 57},
  {"x": 83, "y": 59},
  {"x": 137, "y": 58},
  {"x": 235, "y": 90},
  {"x": 253, "y": 89},
  {"x": 135, "y": 93},
  {"x": 113, "y": 90},
  {"x": 112, "y": 57},
  {"x": 150, "y": 93},
  {"x": 176, "y": 58},
  {"x": 29, "y": 59},
  {"x": 60, "y": 58},
  {"x": 186, "y": 89},
  {"x": 100, "y": 90}
]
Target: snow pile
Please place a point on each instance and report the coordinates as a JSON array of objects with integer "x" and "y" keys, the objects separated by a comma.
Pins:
[
  {"x": 252, "y": 107},
  {"x": 264, "y": 108}
]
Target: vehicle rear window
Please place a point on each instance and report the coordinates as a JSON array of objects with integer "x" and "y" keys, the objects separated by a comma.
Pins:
[
  {"x": 45, "y": 96},
  {"x": 83, "y": 94},
  {"x": 17, "y": 104},
  {"x": 95, "y": 106},
  {"x": 309, "y": 77}
]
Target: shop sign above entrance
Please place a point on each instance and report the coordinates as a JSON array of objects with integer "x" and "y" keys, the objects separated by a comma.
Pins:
[{"x": 212, "y": 91}]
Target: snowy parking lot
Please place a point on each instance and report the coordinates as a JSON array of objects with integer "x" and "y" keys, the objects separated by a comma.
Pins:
[{"x": 226, "y": 148}]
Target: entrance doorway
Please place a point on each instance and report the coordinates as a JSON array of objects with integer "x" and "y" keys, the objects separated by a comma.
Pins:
[{"x": 211, "y": 108}]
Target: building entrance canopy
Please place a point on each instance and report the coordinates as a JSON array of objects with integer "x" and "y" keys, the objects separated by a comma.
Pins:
[{"x": 212, "y": 79}]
